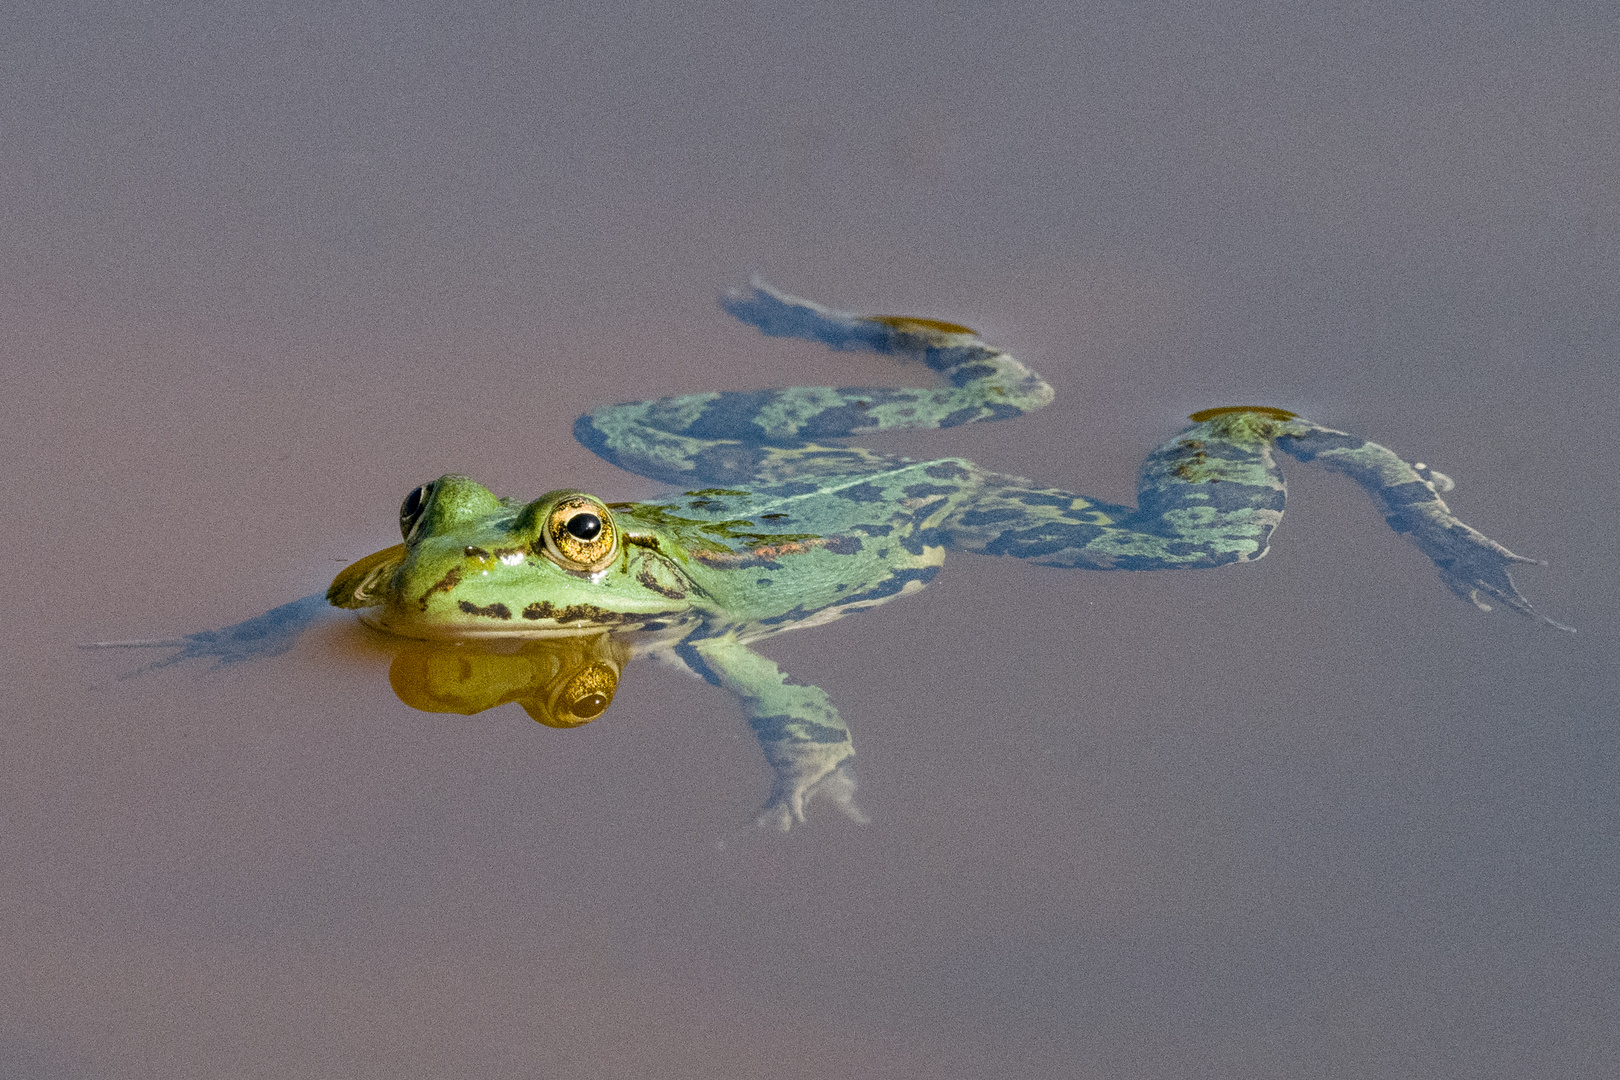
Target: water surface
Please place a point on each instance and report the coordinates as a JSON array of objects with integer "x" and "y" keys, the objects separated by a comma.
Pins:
[{"x": 267, "y": 271}]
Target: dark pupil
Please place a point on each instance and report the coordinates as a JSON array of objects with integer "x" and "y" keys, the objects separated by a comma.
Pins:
[
  {"x": 584, "y": 526},
  {"x": 412, "y": 506}
]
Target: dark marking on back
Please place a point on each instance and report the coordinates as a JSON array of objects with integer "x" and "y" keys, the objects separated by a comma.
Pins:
[
  {"x": 545, "y": 609},
  {"x": 894, "y": 583},
  {"x": 928, "y": 491},
  {"x": 989, "y": 517},
  {"x": 1416, "y": 491},
  {"x": 971, "y": 373},
  {"x": 694, "y": 660},
  {"x": 834, "y": 422},
  {"x": 729, "y": 461},
  {"x": 1043, "y": 539},
  {"x": 862, "y": 493},
  {"x": 1306, "y": 447}
]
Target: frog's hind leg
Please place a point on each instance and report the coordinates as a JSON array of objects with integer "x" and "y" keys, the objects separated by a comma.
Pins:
[
  {"x": 986, "y": 382},
  {"x": 1471, "y": 564},
  {"x": 773, "y": 435},
  {"x": 1212, "y": 496},
  {"x": 1209, "y": 497}
]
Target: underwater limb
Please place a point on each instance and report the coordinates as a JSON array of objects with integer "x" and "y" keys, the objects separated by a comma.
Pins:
[
  {"x": 804, "y": 739},
  {"x": 1471, "y": 564},
  {"x": 270, "y": 634},
  {"x": 793, "y": 764}
]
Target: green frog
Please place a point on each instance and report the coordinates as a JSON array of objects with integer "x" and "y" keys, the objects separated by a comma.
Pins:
[{"x": 779, "y": 527}]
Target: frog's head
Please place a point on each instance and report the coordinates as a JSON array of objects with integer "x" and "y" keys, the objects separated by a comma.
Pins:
[{"x": 473, "y": 565}]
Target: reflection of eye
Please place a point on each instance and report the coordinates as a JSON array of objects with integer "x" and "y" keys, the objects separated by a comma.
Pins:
[
  {"x": 410, "y": 511},
  {"x": 579, "y": 534},
  {"x": 590, "y": 706},
  {"x": 589, "y": 693}
]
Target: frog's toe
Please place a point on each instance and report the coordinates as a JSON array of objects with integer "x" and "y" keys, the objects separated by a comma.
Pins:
[
  {"x": 788, "y": 800},
  {"x": 1476, "y": 568},
  {"x": 838, "y": 788}
]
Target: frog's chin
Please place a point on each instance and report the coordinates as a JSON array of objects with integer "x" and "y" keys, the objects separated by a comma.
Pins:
[{"x": 420, "y": 630}]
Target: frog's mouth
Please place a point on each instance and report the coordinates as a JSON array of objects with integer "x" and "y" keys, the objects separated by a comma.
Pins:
[
  {"x": 564, "y": 624},
  {"x": 365, "y": 584}
]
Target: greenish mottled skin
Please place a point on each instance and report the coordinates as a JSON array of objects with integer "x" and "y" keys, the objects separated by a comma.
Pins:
[{"x": 778, "y": 529}]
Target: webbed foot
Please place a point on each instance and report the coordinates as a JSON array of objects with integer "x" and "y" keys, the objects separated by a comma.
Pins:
[
  {"x": 1472, "y": 565},
  {"x": 790, "y": 794},
  {"x": 805, "y": 742}
]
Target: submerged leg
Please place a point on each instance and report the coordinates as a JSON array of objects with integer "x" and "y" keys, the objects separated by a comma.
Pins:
[
  {"x": 1212, "y": 496},
  {"x": 1471, "y": 564},
  {"x": 270, "y": 634},
  {"x": 1209, "y": 497},
  {"x": 769, "y": 435},
  {"x": 804, "y": 739}
]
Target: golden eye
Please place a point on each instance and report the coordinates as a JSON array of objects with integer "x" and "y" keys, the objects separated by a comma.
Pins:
[
  {"x": 579, "y": 534},
  {"x": 584, "y": 697}
]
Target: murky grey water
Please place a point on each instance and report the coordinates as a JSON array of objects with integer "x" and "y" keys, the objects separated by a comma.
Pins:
[{"x": 266, "y": 271}]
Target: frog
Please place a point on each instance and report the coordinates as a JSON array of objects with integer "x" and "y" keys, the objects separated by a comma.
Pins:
[{"x": 776, "y": 521}]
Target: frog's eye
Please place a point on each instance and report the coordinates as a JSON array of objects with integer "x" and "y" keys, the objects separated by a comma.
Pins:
[
  {"x": 589, "y": 693},
  {"x": 410, "y": 511},
  {"x": 579, "y": 534}
]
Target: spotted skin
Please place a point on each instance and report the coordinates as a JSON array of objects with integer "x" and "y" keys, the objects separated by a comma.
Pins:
[
  {"x": 779, "y": 528},
  {"x": 774, "y": 527}
]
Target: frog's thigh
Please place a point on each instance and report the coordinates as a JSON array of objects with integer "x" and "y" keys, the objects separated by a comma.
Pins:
[
  {"x": 804, "y": 739},
  {"x": 1209, "y": 497}
]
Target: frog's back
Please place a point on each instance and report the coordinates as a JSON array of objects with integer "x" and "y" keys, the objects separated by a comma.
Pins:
[{"x": 822, "y": 545}]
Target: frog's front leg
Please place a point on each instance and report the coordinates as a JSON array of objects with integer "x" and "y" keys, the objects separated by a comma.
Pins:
[
  {"x": 270, "y": 634},
  {"x": 804, "y": 739}
]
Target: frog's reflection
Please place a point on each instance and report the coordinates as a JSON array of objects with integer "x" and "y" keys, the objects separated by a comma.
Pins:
[{"x": 560, "y": 682}]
